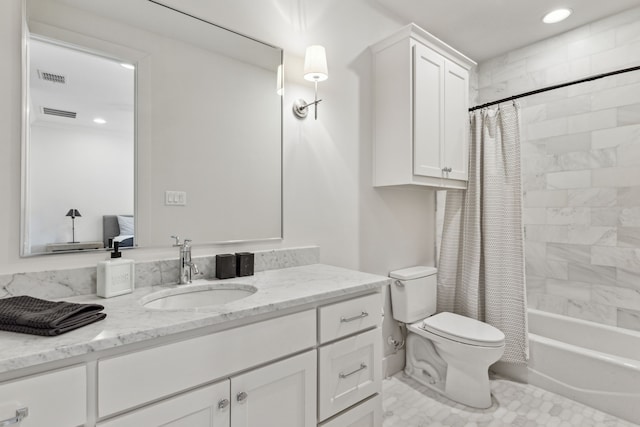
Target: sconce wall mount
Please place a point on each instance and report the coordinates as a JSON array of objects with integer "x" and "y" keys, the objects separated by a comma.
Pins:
[{"x": 315, "y": 70}]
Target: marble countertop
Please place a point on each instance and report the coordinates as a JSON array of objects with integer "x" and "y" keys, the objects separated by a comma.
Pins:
[{"x": 129, "y": 322}]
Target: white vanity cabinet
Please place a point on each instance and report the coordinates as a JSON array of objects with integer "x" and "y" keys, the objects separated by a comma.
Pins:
[
  {"x": 280, "y": 394},
  {"x": 56, "y": 398},
  {"x": 350, "y": 368},
  {"x": 421, "y": 101}
]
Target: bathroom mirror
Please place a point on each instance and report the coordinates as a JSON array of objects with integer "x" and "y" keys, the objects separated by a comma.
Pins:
[{"x": 202, "y": 121}]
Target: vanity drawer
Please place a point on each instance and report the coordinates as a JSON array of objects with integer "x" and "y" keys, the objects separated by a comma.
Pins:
[
  {"x": 347, "y": 317},
  {"x": 350, "y": 370},
  {"x": 140, "y": 377},
  {"x": 58, "y": 398},
  {"x": 365, "y": 414}
]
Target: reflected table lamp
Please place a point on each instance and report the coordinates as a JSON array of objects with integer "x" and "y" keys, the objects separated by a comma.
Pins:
[{"x": 73, "y": 213}]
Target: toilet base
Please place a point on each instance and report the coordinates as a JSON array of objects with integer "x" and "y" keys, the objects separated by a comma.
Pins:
[{"x": 446, "y": 368}]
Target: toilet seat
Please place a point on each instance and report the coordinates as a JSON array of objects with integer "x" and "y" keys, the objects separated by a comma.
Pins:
[{"x": 462, "y": 329}]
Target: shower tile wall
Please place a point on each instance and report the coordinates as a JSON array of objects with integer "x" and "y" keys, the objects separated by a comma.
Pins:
[{"x": 581, "y": 168}]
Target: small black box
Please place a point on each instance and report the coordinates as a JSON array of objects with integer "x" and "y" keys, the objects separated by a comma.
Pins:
[
  {"x": 225, "y": 266},
  {"x": 244, "y": 264}
]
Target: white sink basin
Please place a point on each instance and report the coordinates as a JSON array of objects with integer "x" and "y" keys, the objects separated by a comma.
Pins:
[{"x": 197, "y": 296}]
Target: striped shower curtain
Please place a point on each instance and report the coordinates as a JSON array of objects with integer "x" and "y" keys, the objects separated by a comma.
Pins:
[{"x": 481, "y": 268}]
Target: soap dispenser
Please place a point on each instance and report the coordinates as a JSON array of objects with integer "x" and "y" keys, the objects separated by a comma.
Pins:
[{"x": 116, "y": 275}]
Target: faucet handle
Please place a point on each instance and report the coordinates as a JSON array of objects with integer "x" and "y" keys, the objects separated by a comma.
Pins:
[
  {"x": 177, "y": 243},
  {"x": 186, "y": 243}
]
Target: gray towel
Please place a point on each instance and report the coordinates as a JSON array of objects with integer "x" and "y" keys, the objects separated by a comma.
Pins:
[{"x": 35, "y": 316}]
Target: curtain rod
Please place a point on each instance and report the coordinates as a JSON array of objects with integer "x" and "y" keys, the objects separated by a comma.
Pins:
[{"x": 558, "y": 86}]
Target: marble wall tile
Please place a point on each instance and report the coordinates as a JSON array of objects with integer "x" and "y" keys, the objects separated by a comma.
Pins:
[
  {"x": 534, "y": 182},
  {"x": 534, "y": 215},
  {"x": 629, "y": 319},
  {"x": 628, "y": 259},
  {"x": 628, "y": 279},
  {"x": 568, "y": 143},
  {"x": 620, "y": 135},
  {"x": 594, "y": 274},
  {"x": 571, "y": 290},
  {"x": 547, "y": 233},
  {"x": 629, "y": 217},
  {"x": 629, "y": 237},
  {"x": 591, "y": 235},
  {"x": 593, "y": 159},
  {"x": 616, "y": 97},
  {"x": 535, "y": 249},
  {"x": 578, "y": 254},
  {"x": 628, "y": 154},
  {"x": 615, "y": 177},
  {"x": 545, "y": 129},
  {"x": 573, "y": 179},
  {"x": 592, "y": 311},
  {"x": 535, "y": 284},
  {"x": 616, "y": 296},
  {"x": 568, "y": 216},
  {"x": 629, "y": 33},
  {"x": 546, "y": 199},
  {"x": 567, "y": 107},
  {"x": 547, "y": 268},
  {"x": 597, "y": 197},
  {"x": 629, "y": 115},
  {"x": 602, "y": 119},
  {"x": 628, "y": 196},
  {"x": 600, "y": 42},
  {"x": 605, "y": 216},
  {"x": 550, "y": 303},
  {"x": 615, "y": 59}
]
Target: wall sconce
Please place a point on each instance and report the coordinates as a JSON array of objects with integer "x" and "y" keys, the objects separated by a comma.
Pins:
[
  {"x": 73, "y": 213},
  {"x": 315, "y": 70}
]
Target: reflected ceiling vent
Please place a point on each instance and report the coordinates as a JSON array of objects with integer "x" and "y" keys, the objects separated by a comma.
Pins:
[
  {"x": 51, "y": 77},
  {"x": 59, "y": 113}
]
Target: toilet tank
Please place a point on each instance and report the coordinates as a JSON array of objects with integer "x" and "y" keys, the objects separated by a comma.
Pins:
[{"x": 413, "y": 293}]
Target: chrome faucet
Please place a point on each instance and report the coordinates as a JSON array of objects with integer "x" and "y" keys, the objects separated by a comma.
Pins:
[{"x": 187, "y": 267}]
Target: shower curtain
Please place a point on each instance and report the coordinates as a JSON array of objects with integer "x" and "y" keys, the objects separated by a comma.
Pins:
[{"x": 481, "y": 268}]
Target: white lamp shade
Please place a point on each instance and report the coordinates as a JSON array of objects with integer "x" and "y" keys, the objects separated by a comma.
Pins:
[{"x": 315, "y": 64}]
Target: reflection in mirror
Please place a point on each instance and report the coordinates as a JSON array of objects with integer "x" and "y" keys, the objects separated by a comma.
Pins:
[
  {"x": 208, "y": 128},
  {"x": 80, "y": 165}
]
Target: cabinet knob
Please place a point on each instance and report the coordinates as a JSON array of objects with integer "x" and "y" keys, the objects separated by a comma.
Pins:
[
  {"x": 223, "y": 403},
  {"x": 241, "y": 397}
]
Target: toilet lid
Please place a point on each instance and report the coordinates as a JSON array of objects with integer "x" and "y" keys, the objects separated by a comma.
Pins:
[{"x": 463, "y": 329}]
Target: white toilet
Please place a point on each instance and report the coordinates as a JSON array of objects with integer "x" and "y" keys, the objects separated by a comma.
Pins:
[{"x": 446, "y": 352}]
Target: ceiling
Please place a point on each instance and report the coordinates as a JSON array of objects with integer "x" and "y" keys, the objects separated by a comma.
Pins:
[{"x": 483, "y": 29}]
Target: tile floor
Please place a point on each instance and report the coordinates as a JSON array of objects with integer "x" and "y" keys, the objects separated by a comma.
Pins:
[{"x": 407, "y": 403}]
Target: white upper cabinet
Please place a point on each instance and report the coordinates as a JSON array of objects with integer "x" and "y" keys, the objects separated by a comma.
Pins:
[{"x": 421, "y": 96}]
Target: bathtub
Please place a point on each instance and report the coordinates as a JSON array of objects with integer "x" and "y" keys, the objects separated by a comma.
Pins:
[{"x": 594, "y": 364}]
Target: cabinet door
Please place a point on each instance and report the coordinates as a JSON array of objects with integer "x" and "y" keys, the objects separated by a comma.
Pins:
[
  {"x": 428, "y": 111},
  {"x": 205, "y": 407},
  {"x": 367, "y": 414},
  {"x": 456, "y": 129},
  {"x": 282, "y": 394}
]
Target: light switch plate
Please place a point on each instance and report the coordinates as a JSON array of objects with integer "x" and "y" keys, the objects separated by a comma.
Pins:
[{"x": 175, "y": 198}]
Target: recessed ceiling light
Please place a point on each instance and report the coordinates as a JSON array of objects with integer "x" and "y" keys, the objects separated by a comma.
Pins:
[
  {"x": 99, "y": 121},
  {"x": 128, "y": 66},
  {"x": 556, "y": 16}
]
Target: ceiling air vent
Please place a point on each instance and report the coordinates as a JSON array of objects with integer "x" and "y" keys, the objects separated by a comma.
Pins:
[
  {"x": 51, "y": 77},
  {"x": 59, "y": 113}
]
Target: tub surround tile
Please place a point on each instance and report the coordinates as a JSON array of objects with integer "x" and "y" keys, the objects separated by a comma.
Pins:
[
  {"x": 615, "y": 137},
  {"x": 629, "y": 115},
  {"x": 629, "y": 319},
  {"x": 82, "y": 281},
  {"x": 629, "y": 237},
  {"x": 616, "y": 296},
  {"x": 568, "y": 143},
  {"x": 128, "y": 322},
  {"x": 566, "y": 180},
  {"x": 578, "y": 254},
  {"x": 628, "y": 259},
  {"x": 547, "y": 233},
  {"x": 592, "y": 311},
  {"x": 628, "y": 196},
  {"x": 588, "y": 159},
  {"x": 546, "y": 199},
  {"x": 615, "y": 177},
  {"x": 568, "y": 216},
  {"x": 596, "y": 197},
  {"x": 629, "y": 217},
  {"x": 546, "y": 268},
  {"x": 616, "y": 97},
  {"x": 571, "y": 290},
  {"x": 627, "y": 279},
  {"x": 586, "y": 235},
  {"x": 605, "y": 216},
  {"x": 593, "y": 274},
  {"x": 546, "y": 302},
  {"x": 534, "y": 216}
]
